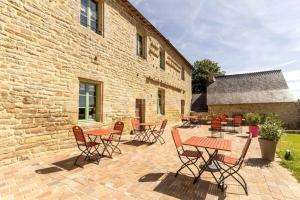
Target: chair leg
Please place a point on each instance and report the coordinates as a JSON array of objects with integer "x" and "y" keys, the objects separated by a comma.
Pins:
[{"x": 75, "y": 163}]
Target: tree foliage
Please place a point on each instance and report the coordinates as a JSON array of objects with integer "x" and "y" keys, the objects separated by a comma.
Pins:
[{"x": 203, "y": 70}]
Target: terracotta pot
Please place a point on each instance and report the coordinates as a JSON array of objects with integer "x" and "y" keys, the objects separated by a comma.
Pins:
[
  {"x": 268, "y": 149},
  {"x": 254, "y": 130}
]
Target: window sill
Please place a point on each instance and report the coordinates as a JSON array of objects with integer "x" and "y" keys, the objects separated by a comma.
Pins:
[{"x": 89, "y": 123}]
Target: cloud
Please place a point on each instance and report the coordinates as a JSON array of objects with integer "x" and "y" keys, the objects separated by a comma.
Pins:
[{"x": 242, "y": 36}]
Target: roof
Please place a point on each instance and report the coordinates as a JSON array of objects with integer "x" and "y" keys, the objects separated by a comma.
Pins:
[
  {"x": 152, "y": 27},
  {"x": 257, "y": 87}
]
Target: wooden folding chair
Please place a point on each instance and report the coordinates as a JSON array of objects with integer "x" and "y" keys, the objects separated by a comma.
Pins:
[
  {"x": 157, "y": 134},
  {"x": 114, "y": 139},
  {"x": 216, "y": 127},
  {"x": 230, "y": 167},
  {"x": 187, "y": 157},
  {"x": 237, "y": 122},
  {"x": 136, "y": 129},
  {"x": 84, "y": 146}
]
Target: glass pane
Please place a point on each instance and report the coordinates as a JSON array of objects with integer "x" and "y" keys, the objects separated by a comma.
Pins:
[
  {"x": 94, "y": 26},
  {"x": 91, "y": 90},
  {"x": 83, "y": 13},
  {"x": 92, "y": 113},
  {"x": 81, "y": 113},
  {"x": 82, "y": 88},
  {"x": 82, "y": 101},
  {"x": 92, "y": 100}
]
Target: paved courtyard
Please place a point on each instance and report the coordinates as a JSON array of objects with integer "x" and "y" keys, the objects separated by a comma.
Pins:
[{"x": 143, "y": 171}]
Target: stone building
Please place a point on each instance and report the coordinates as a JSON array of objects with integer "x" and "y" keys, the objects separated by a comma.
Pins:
[
  {"x": 262, "y": 92},
  {"x": 88, "y": 62}
]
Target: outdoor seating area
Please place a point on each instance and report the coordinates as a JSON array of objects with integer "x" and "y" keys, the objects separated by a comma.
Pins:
[{"x": 146, "y": 166}]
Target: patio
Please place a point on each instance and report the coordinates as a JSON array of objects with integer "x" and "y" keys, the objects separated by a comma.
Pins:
[{"x": 143, "y": 171}]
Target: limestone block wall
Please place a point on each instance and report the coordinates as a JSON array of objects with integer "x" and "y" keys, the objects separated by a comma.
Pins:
[
  {"x": 44, "y": 51},
  {"x": 288, "y": 112}
]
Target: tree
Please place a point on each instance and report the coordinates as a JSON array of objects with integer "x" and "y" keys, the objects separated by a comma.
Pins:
[{"x": 204, "y": 70}]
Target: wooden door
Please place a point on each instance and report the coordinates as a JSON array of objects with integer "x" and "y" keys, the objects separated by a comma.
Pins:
[{"x": 140, "y": 109}]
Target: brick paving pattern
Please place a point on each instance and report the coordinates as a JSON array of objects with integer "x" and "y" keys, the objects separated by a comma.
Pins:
[{"x": 143, "y": 171}]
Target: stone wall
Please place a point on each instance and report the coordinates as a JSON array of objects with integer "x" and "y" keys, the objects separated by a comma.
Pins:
[
  {"x": 44, "y": 51},
  {"x": 288, "y": 112}
]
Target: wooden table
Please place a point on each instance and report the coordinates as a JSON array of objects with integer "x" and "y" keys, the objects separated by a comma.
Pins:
[
  {"x": 149, "y": 131},
  {"x": 215, "y": 144},
  {"x": 98, "y": 133}
]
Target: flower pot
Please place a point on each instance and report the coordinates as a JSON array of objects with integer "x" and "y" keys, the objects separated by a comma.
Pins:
[
  {"x": 254, "y": 130},
  {"x": 268, "y": 149}
]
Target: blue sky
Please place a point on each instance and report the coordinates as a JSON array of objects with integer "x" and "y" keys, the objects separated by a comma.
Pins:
[{"x": 242, "y": 36}]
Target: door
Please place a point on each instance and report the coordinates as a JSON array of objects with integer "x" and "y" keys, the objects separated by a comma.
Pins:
[
  {"x": 140, "y": 109},
  {"x": 182, "y": 106}
]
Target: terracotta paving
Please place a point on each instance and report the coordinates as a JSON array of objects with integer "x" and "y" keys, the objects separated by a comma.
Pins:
[{"x": 143, "y": 171}]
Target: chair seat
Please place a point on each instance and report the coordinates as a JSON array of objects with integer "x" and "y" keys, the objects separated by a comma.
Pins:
[
  {"x": 226, "y": 159},
  {"x": 194, "y": 154},
  {"x": 90, "y": 144},
  {"x": 112, "y": 139}
]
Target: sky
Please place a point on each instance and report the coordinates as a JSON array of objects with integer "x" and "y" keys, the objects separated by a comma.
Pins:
[{"x": 242, "y": 36}]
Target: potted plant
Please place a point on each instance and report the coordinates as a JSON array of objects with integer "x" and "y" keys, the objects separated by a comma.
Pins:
[
  {"x": 253, "y": 120},
  {"x": 270, "y": 133}
]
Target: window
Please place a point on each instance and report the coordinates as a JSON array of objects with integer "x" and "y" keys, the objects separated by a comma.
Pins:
[
  {"x": 182, "y": 74},
  {"x": 161, "y": 102},
  {"x": 89, "y": 15},
  {"x": 140, "y": 45},
  {"x": 162, "y": 59},
  {"x": 88, "y": 98}
]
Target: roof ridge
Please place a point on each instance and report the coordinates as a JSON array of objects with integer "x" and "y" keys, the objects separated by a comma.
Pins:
[{"x": 251, "y": 73}]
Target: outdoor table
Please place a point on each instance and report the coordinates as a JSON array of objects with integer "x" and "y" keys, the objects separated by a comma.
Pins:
[
  {"x": 151, "y": 126},
  {"x": 214, "y": 144},
  {"x": 98, "y": 133}
]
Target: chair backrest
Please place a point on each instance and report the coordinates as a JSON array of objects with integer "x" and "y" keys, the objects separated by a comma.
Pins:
[
  {"x": 216, "y": 123},
  {"x": 135, "y": 123},
  {"x": 176, "y": 137},
  {"x": 237, "y": 119},
  {"x": 246, "y": 147},
  {"x": 224, "y": 117},
  {"x": 119, "y": 126},
  {"x": 79, "y": 135},
  {"x": 163, "y": 124}
]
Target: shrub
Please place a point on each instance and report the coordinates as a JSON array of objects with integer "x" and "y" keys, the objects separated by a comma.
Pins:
[
  {"x": 253, "y": 118},
  {"x": 272, "y": 129}
]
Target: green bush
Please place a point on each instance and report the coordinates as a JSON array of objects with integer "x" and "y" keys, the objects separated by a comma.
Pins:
[
  {"x": 253, "y": 118},
  {"x": 272, "y": 129}
]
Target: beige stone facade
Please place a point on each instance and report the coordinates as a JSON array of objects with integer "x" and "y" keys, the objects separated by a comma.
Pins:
[
  {"x": 44, "y": 52},
  {"x": 288, "y": 112}
]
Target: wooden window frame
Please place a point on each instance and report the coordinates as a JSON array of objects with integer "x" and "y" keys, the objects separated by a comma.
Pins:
[
  {"x": 98, "y": 102},
  {"x": 182, "y": 74},
  {"x": 99, "y": 17},
  {"x": 144, "y": 45},
  {"x": 162, "y": 59}
]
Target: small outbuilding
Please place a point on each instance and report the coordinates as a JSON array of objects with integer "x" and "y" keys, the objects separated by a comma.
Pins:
[{"x": 262, "y": 92}]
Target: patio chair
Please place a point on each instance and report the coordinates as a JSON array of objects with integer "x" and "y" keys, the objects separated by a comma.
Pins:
[
  {"x": 187, "y": 157},
  {"x": 237, "y": 122},
  {"x": 84, "y": 146},
  {"x": 136, "y": 129},
  {"x": 185, "y": 121},
  {"x": 230, "y": 166},
  {"x": 114, "y": 140},
  {"x": 216, "y": 127},
  {"x": 157, "y": 134}
]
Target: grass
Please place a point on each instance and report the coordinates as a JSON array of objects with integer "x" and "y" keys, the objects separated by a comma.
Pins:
[{"x": 292, "y": 142}]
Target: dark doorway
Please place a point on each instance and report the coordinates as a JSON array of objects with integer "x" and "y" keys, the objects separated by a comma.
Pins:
[
  {"x": 182, "y": 106},
  {"x": 140, "y": 109}
]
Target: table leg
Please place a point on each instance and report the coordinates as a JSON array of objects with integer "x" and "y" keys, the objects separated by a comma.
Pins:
[{"x": 206, "y": 165}]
